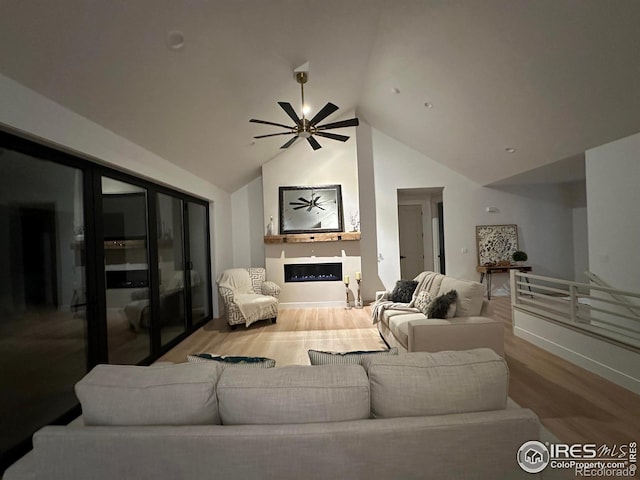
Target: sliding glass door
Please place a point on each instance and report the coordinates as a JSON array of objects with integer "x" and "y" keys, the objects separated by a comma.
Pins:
[
  {"x": 126, "y": 269},
  {"x": 171, "y": 260},
  {"x": 199, "y": 262},
  {"x": 43, "y": 320},
  {"x": 97, "y": 266}
]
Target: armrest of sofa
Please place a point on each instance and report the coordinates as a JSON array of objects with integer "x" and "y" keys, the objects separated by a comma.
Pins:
[{"x": 458, "y": 333}]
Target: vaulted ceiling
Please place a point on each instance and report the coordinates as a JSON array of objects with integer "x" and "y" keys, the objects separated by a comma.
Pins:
[{"x": 549, "y": 78}]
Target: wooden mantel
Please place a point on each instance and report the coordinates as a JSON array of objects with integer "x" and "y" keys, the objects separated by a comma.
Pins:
[{"x": 312, "y": 237}]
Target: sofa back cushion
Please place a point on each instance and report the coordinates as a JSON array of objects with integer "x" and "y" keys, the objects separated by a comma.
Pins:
[
  {"x": 470, "y": 294},
  {"x": 293, "y": 394},
  {"x": 422, "y": 383},
  {"x": 181, "y": 394}
]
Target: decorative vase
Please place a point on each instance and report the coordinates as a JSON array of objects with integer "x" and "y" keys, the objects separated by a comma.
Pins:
[{"x": 270, "y": 226}]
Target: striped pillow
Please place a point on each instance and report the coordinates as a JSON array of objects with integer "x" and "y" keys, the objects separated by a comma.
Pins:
[
  {"x": 318, "y": 357},
  {"x": 233, "y": 361}
]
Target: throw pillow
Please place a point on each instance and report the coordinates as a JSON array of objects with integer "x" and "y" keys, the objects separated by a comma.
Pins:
[
  {"x": 234, "y": 361},
  {"x": 443, "y": 306},
  {"x": 423, "y": 300},
  {"x": 318, "y": 357},
  {"x": 403, "y": 291}
]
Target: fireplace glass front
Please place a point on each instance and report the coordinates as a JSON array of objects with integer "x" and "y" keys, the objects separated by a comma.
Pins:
[{"x": 313, "y": 272}]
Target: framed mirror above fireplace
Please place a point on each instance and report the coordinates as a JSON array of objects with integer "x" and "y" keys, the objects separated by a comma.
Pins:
[{"x": 311, "y": 209}]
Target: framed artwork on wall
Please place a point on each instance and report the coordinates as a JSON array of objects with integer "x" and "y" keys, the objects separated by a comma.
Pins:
[
  {"x": 311, "y": 209},
  {"x": 496, "y": 243}
]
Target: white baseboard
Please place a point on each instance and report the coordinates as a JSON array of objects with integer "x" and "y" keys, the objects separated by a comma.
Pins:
[{"x": 617, "y": 364}]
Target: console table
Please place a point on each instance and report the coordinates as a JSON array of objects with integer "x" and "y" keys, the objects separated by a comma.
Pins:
[{"x": 487, "y": 271}]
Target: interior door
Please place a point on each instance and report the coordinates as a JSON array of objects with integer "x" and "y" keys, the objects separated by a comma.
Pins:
[
  {"x": 411, "y": 240},
  {"x": 441, "y": 257}
]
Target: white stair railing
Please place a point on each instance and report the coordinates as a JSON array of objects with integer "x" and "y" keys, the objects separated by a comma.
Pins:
[
  {"x": 599, "y": 281},
  {"x": 598, "y": 309}
]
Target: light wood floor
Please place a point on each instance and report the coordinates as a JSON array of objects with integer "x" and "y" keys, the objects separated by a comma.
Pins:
[
  {"x": 574, "y": 404},
  {"x": 288, "y": 340}
]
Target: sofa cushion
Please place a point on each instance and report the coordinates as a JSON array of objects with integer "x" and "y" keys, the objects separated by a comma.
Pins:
[
  {"x": 470, "y": 294},
  {"x": 388, "y": 314},
  {"x": 403, "y": 291},
  {"x": 181, "y": 394},
  {"x": 293, "y": 394},
  {"x": 233, "y": 361},
  {"x": 399, "y": 326},
  {"x": 318, "y": 357},
  {"x": 422, "y": 383}
]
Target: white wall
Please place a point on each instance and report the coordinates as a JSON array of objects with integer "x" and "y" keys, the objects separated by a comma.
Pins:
[
  {"x": 371, "y": 281},
  {"x": 613, "y": 198},
  {"x": 580, "y": 244},
  {"x": 24, "y": 110},
  {"x": 247, "y": 225},
  {"x": 542, "y": 214}
]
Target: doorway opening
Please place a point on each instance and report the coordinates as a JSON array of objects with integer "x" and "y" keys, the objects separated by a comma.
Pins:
[{"x": 421, "y": 231}]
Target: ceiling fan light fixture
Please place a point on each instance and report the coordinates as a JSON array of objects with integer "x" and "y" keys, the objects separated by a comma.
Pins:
[{"x": 304, "y": 127}]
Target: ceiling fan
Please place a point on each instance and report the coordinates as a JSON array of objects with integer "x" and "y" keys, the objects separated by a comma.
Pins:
[{"x": 305, "y": 128}]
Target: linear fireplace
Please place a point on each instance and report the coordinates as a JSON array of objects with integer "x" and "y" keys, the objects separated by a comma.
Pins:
[{"x": 313, "y": 272}]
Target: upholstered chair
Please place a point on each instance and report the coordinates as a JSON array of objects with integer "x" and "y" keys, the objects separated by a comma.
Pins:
[{"x": 247, "y": 297}]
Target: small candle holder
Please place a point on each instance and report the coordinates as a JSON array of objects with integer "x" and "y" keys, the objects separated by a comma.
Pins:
[
  {"x": 348, "y": 304},
  {"x": 359, "y": 299}
]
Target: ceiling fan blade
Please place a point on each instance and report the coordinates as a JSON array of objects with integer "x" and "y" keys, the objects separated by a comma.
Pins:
[
  {"x": 290, "y": 142},
  {"x": 314, "y": 143},
  {"x": 327, "y": 110},
  {"x": 273, "y": 135},
  {"x": 290, "y": 111},
  {"x": 253, "y": 120},
  {"x": 352, "y": 122},
  {"x": 333, "y": 136}
]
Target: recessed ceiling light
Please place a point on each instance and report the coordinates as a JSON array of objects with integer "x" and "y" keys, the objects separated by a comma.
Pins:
[
  {"x": 428, "y": 105},
  {"x": 175, "y": 40},
  {"x": 509, "y": 149},
  {"x": 306, "y": 109},
  {"x": 395, "y": 90}
]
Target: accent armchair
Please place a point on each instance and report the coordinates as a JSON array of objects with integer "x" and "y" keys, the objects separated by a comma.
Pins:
[{"x": 247, "y": 297}]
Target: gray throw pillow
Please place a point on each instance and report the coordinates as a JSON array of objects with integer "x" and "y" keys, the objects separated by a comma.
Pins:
[
  {"x": 403, "y": 291},
  {"x": 440, "y": 307}
]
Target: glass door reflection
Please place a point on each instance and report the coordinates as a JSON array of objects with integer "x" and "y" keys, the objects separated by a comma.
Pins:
[
  {"x": 126, "y": 258},
  {"x": 171, "y": 267},
  {"x": 199, "y": 256}
]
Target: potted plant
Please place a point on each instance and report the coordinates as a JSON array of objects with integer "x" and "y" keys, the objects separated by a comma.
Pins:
[{"x": 519, "y": 257}]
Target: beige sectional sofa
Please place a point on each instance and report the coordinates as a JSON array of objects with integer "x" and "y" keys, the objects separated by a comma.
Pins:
[
  {"x": 410, "y": 330},
  {"x": 410, "y": 416}
]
